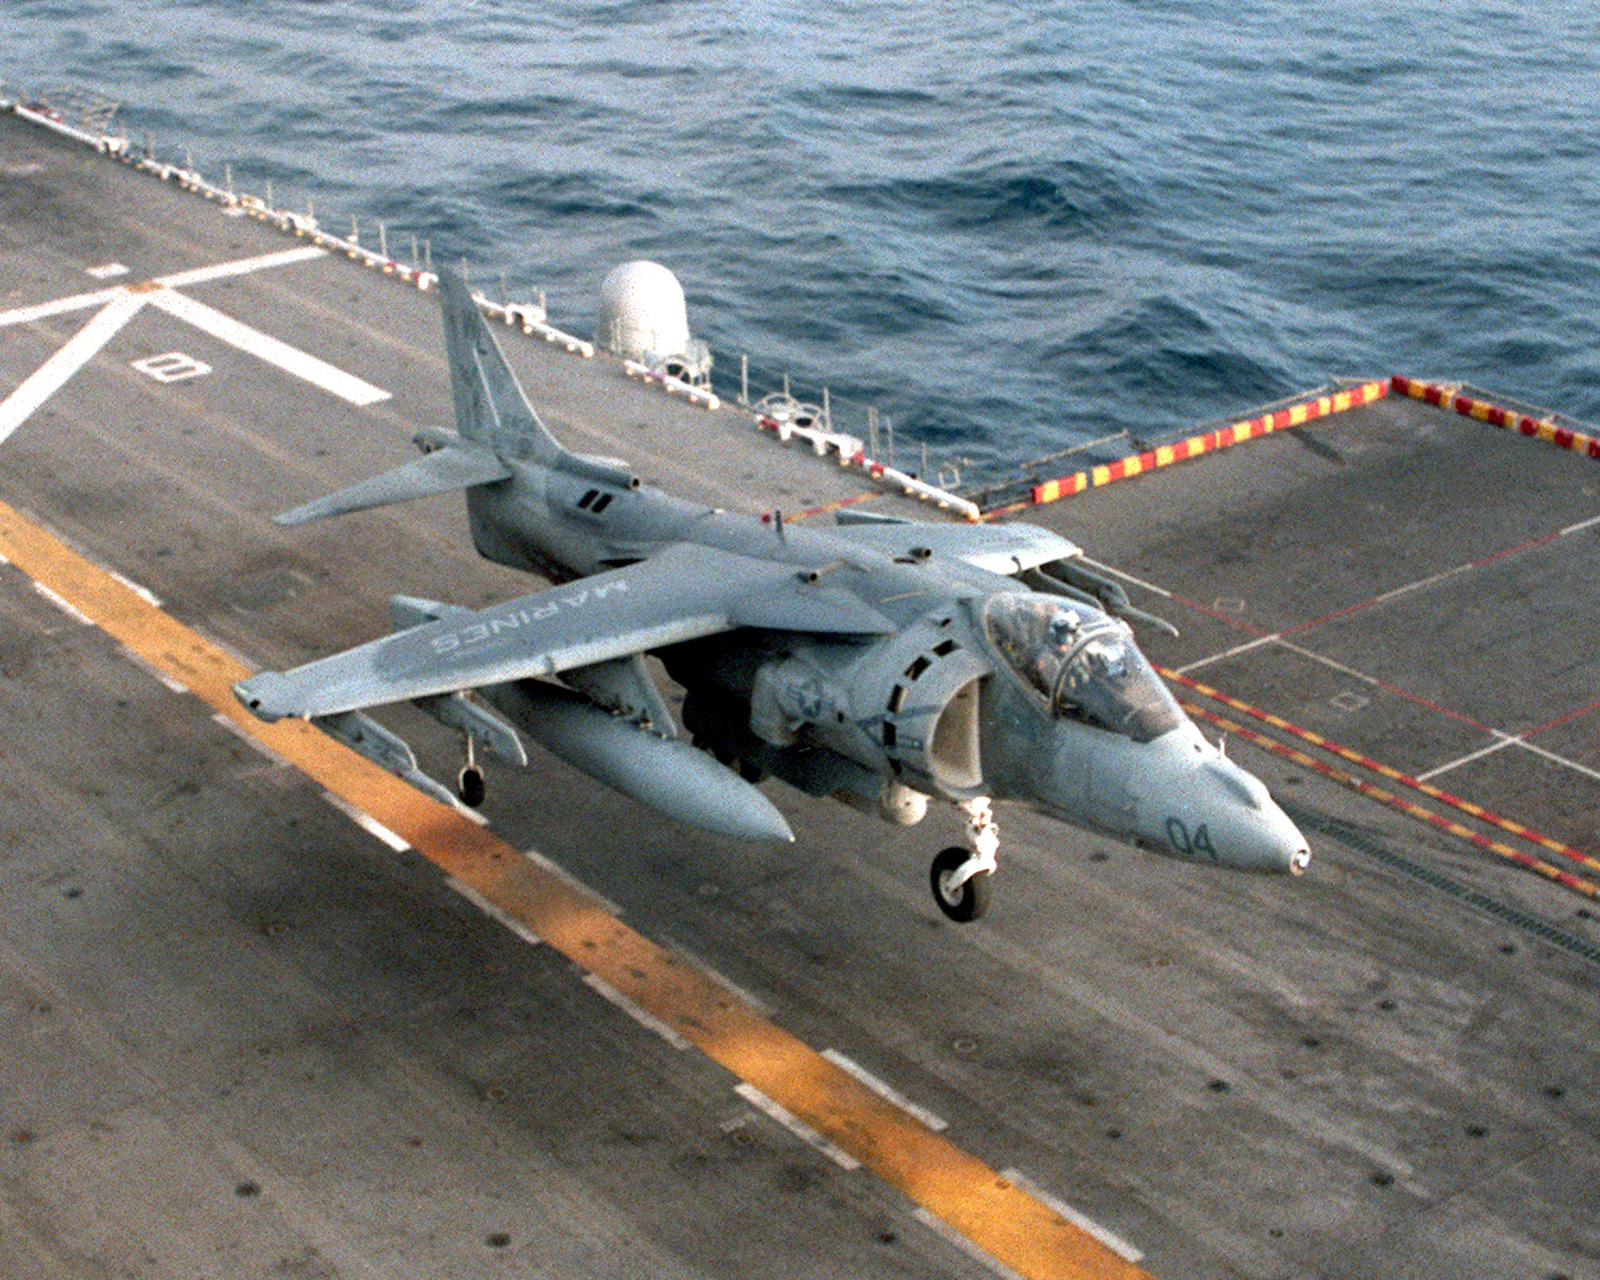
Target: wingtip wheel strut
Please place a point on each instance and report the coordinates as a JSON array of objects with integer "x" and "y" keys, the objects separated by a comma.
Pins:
[{"x": 961, "y": 878}]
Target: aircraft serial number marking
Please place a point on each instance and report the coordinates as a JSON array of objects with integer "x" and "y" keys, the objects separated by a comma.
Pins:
[{"x": 1185, "y": 842}]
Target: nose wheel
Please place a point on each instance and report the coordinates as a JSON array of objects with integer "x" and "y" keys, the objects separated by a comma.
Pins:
[{"x": 961, "y": 878}]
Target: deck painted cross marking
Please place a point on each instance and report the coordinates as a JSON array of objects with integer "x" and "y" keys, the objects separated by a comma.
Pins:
[{"x": 118, "y": 306}]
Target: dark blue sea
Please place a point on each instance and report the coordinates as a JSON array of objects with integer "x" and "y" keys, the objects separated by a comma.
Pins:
[{"x": 1011, "y": 225}]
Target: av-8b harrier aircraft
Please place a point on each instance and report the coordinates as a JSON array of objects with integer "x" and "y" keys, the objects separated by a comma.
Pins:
[{"x": 881, "y": 662}]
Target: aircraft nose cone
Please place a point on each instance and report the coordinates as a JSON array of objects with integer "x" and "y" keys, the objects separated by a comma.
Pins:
[{"x": 1227, "y": 817}]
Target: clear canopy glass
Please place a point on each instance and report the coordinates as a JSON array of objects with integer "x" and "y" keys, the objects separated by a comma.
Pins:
[{"x": 1084, "y": 664}]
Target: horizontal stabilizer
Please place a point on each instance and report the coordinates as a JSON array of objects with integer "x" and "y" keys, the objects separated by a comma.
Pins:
[{"x": 443, "y": 471}]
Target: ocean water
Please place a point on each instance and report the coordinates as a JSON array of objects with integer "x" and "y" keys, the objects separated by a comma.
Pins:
[{"x": 1011, "y": 226}]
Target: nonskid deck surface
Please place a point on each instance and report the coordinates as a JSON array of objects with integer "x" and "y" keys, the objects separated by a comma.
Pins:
[{"x": 245, "y": 1034}]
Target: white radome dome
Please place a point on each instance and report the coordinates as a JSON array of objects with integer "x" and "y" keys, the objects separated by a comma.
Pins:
[{"x": 643, "y": 315}]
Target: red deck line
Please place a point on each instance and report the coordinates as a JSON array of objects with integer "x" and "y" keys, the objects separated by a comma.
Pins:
[
  {"x": 1577, "y": 713},
  {"x": 1483, "y": 562}
]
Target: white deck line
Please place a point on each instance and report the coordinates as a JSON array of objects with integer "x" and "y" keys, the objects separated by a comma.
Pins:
[
  {"x": 44, "y": 310},
  {"x": 1122, "y": 1248},
  {"x": 153, "y": 671},
  {"x": 886, "y": 1091},
  {"x": 1226, "y": 654},
  {"x": 143, "y": 592},
  {"x": 571, "y": 881},
  {"x": 1501, "y": 745},
  {"x": 720, "y": 978},
  {"x": 367, "y": 822},
  {"x": 250, "y": 740},
  {"x": 948, "y": 1233},
  {"x": 795, "y": 1125},
  {"x": 240, "y": 267},
  {"x": 645, "y": 1019},
  {"x": 264, "y": 347},
  {"x": 1553, "y": 758},
  {"x": 66, "y": 606},
  {"x": 493, "y": 912},
  {"x": 1128, "y": 577},
  {"x": 76, "y": 352},
  {"x": 199, "y": 275}
]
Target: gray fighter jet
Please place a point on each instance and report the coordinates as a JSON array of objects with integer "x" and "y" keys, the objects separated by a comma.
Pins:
[{"x": 878, "y": 661}]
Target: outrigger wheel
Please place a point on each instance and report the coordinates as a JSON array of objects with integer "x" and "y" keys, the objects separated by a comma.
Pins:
[
  {"x": 961, "y": 878},
  {"x": 470, "y": 785}
]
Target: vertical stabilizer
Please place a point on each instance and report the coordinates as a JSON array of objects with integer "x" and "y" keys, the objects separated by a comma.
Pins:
[{"x": 490, "y": 404}]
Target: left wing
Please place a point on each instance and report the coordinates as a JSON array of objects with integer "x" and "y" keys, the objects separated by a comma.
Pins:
[{"x": 683, "y": 593}]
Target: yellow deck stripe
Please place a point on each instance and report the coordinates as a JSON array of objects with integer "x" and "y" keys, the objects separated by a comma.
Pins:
[{"x": 1004, "y": 1221}]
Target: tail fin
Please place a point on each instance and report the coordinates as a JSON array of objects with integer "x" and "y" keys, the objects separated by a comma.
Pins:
[{"x": 491, "y": 406}]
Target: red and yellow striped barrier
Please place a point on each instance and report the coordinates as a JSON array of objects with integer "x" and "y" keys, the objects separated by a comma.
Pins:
[
  {"x": 1495, "y": 416},
  {"x": 1222, "y": 438}
]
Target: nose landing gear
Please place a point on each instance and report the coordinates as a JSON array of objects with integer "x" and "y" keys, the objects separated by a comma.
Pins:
[{"x": 961, "y": 878}]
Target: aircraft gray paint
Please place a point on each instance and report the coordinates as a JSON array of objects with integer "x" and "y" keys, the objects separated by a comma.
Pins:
[{"x": 881, "y": 662}]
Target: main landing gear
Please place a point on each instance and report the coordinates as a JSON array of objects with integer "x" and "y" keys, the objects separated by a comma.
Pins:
[{"x": 961, "y": 878}]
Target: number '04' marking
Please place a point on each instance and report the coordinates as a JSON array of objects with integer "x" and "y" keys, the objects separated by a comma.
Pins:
[{"x": 1186, "y": 844}]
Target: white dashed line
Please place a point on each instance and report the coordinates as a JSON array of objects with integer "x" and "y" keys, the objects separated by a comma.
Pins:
[
  {"x": 950, "y": 1234},
  {"x": 66, "y": 607},
  {"x": 1110, "y": 1239},
  {"x": 153, "y": 671},
  {"x": 647, "y": 1020},
  {"x": 495, "y": 913},
  {"x": 367, "y": 822},
  {"x": 885, "y": 1091},
  {"x": 777, "y": 1111}
]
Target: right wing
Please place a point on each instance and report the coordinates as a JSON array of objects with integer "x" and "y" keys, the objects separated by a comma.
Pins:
[
  {"x": 682, "y": 593},
  {"x": 1007, "y": 549}
]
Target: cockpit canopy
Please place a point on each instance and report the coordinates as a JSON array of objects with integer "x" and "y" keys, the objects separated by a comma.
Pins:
[{"x": 1085, "y": 664}]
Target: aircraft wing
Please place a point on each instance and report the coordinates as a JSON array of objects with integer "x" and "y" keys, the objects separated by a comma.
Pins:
[
  {"x": 682, "y": 593},
  {"x": 1007, "y": 549}
]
